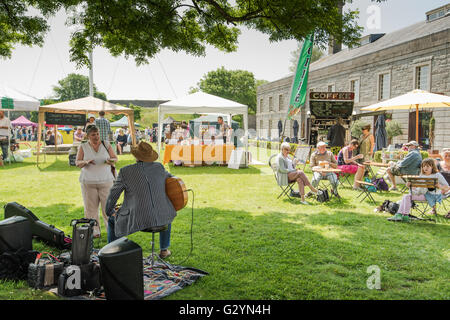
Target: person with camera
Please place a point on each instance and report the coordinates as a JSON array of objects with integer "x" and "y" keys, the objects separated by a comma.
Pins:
[
  {"x": 5, "y": 126},
  {"x": 96, "y": 158},
  {"x": 145, "y": 203}
]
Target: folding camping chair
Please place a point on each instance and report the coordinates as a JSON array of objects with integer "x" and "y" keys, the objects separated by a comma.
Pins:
[
  {"x": 285, "y": 189},
  {"x": 421, "y": 206},
  {"x": 302, "y": 153},
  {"x": 365, "y": 190}
]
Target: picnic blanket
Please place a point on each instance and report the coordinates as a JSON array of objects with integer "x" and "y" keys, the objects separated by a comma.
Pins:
[{"x": 159, "y": 280}]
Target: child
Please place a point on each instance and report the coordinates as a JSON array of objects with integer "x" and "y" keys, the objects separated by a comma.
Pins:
[{"x": 428, "y": 169}]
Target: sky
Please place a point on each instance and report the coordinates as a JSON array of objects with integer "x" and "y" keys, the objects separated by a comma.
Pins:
[{"x": 35, "y": 70}]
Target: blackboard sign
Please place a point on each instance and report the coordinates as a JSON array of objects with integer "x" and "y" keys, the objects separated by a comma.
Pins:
[
  {"x": 73, "y": 119},
  {"x": 331, "y": 109}
]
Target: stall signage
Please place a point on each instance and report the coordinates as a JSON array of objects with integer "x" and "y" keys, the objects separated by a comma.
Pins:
[
  {"x": 331, "y": 95},
  {"x": 73, "y": 119},
  {"x": 330, "y": 105}
]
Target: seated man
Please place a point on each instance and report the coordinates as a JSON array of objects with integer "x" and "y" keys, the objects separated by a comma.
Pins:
[
  {"x": 287, "y": 173},
  {"x": 322, "y": 154},
  {"x": 145, "y": 202},
  {"x": 409, "y": 165}
]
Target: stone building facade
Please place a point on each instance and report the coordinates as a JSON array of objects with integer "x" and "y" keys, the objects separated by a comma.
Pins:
[{"x": 382, "y": 67}]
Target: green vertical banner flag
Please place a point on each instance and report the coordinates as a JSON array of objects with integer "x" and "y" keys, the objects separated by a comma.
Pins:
[{"x": 298, "y": 92}]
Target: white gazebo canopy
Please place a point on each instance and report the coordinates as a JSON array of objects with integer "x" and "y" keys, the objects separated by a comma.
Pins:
[{"x": 202, "y": 103}]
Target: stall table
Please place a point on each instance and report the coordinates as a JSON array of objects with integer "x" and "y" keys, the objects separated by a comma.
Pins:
[{"x": 198, "y": 154}]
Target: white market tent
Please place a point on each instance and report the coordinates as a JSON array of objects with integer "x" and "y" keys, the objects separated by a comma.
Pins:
[
  {"x": 86, "y": 105},
  {"x": 202, "y": 103},
  {"x": 122, "y": 122},
  {"x": 13, "y": 100}
]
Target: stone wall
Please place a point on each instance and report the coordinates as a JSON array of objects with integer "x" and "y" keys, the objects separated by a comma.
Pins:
[{"x": 399, "y": 61}]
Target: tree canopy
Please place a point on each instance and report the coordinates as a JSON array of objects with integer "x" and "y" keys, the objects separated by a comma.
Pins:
[
  {"x": 75, "y": 86},
  {"x": 236, "y": 85},
  {"x": 141, "y": 28}
]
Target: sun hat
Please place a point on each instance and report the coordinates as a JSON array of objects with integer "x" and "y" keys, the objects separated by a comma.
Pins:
[
  {"x": 90, "y": 115},
  {"x": 321, "y": 143},
  {"x": 144, "y": 152},
  {"x": 412, "y": 143}
]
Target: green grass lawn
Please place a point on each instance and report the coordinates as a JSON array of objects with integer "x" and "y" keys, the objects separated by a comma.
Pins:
[{"x": 253, "y": 245}]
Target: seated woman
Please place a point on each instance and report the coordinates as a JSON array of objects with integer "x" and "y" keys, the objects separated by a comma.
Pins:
[
  {"x": 78, "y": 135},
  {"x": 432, "y": 196},
  {"x": 444, "y": 169},
  {"x": 49, "y": 138},
  {"x": 121, "y": 141},
  {"x": 287, "y": 172},
  {"x": 347, "y": 162}
]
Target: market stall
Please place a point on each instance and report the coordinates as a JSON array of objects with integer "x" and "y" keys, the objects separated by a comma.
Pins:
[
  {"x": 76, "y": 110},
  {"x": 202, "y": 103}
]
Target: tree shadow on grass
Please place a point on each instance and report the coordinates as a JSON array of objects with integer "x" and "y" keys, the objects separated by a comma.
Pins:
[
  {"x": 275, "y": 255},
  {"x": 15, "y": 165},
  {"x": 323, "y": 255}
]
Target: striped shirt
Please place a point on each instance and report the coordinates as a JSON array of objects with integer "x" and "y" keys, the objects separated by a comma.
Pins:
[
  {"x": 104, "y": 128},
  {"x": 145, "y": 203}
]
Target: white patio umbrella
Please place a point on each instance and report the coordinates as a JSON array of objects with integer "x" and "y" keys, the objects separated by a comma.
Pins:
[
  {"x": 413, "y": 99},
  {"x": 13, "y": 100}
]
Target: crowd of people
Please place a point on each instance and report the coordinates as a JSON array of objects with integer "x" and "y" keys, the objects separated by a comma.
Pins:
[{"x": 351, "y": 159}]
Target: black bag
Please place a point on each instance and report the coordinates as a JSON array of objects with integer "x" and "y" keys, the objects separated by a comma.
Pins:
[
  {"x": 14, "y": 265},
  {"x": 44, "y": 272},
  {"x": 322, "y": 195},
  {"x": 380, "y": 184},
  {"x": 89, "y": 280}
]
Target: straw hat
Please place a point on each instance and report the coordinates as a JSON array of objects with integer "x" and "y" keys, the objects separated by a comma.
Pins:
[{"x": 144, "y": 152}]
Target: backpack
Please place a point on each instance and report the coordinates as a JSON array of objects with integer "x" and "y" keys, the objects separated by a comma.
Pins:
[
  {"x": 370, "y": 188},
  {"x": 380, "y": 184},
  {"x": 322, "y": 195}
]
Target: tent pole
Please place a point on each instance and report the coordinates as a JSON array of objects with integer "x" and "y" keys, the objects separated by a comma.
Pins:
[
  {"x": 132, "y": 129},
  {"x": 158, "y": 136},
  {"x": 9, "y": 139},
  {"x": 55, "y": 132},
  {"x": 39, "y": 131},
  {"x": 246, "y": 137},
  {"x": 417, "y": 123}
]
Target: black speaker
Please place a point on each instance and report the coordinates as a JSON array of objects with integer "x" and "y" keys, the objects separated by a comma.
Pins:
[
  {"x": 121, "y": 268},
  {"x": 15, "y": 233}
]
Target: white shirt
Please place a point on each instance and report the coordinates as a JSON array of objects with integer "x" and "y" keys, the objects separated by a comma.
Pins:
[
  {"x": 4, "y": 123},
  {"x": 100, "y": 172}
]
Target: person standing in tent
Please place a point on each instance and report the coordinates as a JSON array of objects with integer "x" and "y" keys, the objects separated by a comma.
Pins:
[
  {"x": 223, "y": 128},
  {"x": 336, "y": 134},
  {"x": 91, "y": 121},
  {"x": 103, "y": 126},
  {"x": 5, "y": 126}
]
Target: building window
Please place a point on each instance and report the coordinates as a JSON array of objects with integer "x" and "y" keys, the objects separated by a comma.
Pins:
[
  {"x": 331, "y": 88},
  {"x": 270, "y": 104},
  {"x": 384, "y": 86},
  {"x": 261, "y": 105},
  {"x": 260, "y": 127},
  {"x": 270, "y": 129},
  {"x": 422, "y": 77},
  {"x": 354, "y": 87},
  {"x": 280, "y": 102}
]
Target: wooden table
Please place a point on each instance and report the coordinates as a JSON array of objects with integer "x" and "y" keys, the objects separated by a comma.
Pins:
[{"x": 198, "y": 154}]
